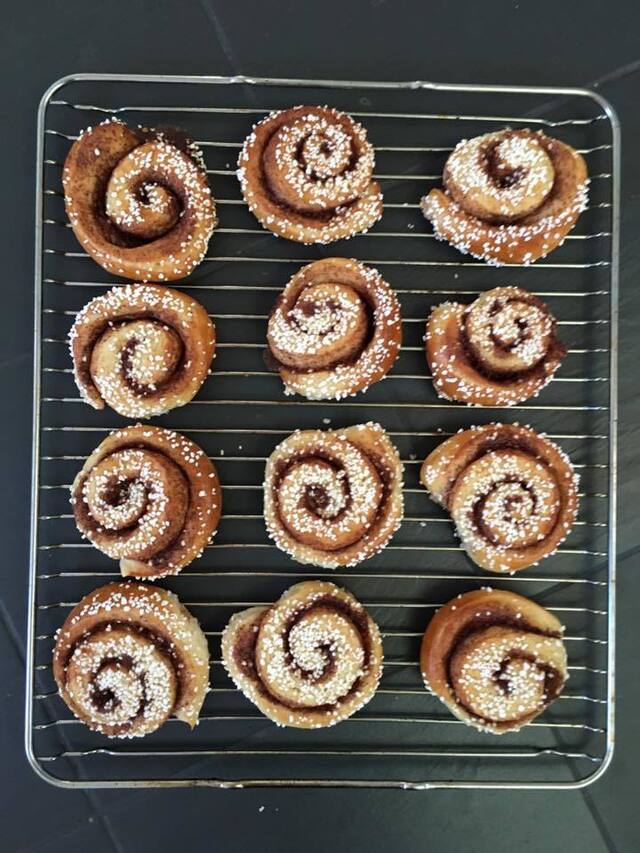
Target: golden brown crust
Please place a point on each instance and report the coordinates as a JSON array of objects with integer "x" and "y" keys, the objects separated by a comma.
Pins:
[
  {"x": 141, "y": 349},
  {"x": 335, "y": 329},
  {"x": 524, "y": 239},
  {"x": 498, "y": 351},
  {"x": 496, "y": 659},
  {"x": 333, "y": 498},
  {"x": 306, "y": 175},
  {"x": 310, "y": 660},
  {"x": 148, "y": 497},
  {"x": 128, "y": 657},
  {"x": 511, "y": 492},
  {"x": 138, "y": 204}
]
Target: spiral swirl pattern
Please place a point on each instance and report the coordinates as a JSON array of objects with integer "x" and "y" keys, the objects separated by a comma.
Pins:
[
  {"x": 500, "y": 177},
  {"x": 334, "y": 498},
  {"x": 310, "y": 660},
  {"x": 511, "y": 493},
  {"x": 138, "y": 201},
  {"x": 498, "y": 351},
  {"x": 335, "y": 330},
  {"x": 149, "y": 498},
  {"x": 141, "y": 349},
  {"x": 128, "y": 657},
  {"x": 306, "y": 174},
  {"x": 496, "y": 659},
  {"x": 509, "y": 197}
]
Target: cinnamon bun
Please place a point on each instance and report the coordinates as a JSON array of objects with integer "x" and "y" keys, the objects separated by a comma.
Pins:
[
  {"x": 138, "y": 201},
  {"x": 128, "y": 657},
  {"x": 306, "y": 174},
  {"x": 498, "y": 351},
  {"x": 511, "y": 492},
  {"x": 142, "y": 349},
  {"x": 335, "y": 330},
  {"x": 310, "y": 660},
  {"x": 333, "y": 498},
  {"x": 149, "y": 498},
  {"x": 496, "y": 659},
  {"x": 509, "y": 197}
]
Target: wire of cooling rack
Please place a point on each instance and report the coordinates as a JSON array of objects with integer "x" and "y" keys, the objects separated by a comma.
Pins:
[{"x": 404, "y": 738}]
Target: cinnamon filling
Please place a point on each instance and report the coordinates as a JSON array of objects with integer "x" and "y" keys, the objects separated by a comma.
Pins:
[
  {"x": 552, "y": 678},
  {"x": 500, "y": 442},
  {"x": 172, "y": 369},
  {"x": 513, "y": 508},
  {"x": 502, "y": 174},
  {"x": 105, "y": 700},
  {"x": 317, "y": 498}
]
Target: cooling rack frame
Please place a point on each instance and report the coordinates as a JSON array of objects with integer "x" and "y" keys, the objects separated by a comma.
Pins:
[{"x": 612, "y": 262}]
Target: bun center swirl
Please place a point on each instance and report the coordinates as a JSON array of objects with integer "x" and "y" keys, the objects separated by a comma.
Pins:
[
  {"x": 140, "y": 198},
  {"x": 500, "y": 177},
  {"x": 137, "y": 500},
  {"x": 330, "y": 503},
  {"x": 328, "y": 324},
  {"x": 316, "y": 660},
  {"x": 326, "y": 152},
  {"x": 508, "y": 497},
  {"x": 506, "y": 333},
  {"x": 316, "y": 162},
  {"x": 118, "y": 676},
  {"x": 143, "y": 349},
  {"x": 501, "y": 674},
  {"x": 144, "y": 354}
]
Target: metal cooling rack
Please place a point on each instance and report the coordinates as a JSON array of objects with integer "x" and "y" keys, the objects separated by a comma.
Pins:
[{"x": 404, "y": 737}]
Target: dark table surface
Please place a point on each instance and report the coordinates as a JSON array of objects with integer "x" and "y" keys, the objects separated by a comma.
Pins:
[{"x": 591, "y": 44}]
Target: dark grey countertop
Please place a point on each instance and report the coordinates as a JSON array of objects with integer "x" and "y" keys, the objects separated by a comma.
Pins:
[{"x": 594, "y": 44}]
